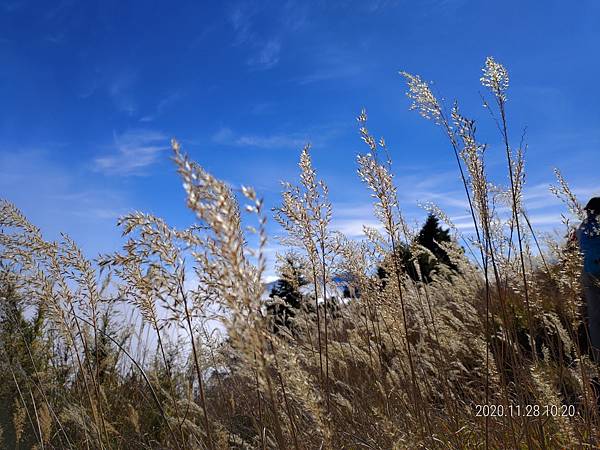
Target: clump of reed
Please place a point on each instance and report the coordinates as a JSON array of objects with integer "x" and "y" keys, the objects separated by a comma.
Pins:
[{"x": 125, "y": 351}]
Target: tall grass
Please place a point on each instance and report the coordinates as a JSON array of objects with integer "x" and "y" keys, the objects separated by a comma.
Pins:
[{"x": 407, "y": 362}]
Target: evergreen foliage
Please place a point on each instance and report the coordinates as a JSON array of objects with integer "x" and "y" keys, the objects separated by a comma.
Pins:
[
  {"x": 285, "y": 296},
  {"x": 426, "y": 251}
]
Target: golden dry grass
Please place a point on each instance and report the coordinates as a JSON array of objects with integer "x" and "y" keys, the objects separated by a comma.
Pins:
[{"x": 403, "y": 365}]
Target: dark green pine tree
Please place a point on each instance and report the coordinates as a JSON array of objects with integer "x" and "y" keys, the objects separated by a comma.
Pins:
[
  {"x": 430, "y": 237},
  {"x": 288, "y": 290}
]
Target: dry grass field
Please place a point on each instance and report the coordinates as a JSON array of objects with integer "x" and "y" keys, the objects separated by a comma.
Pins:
[{"x": 170, "y": 343}]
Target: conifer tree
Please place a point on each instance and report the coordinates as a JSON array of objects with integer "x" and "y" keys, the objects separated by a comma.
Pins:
[
  {"x": 287, "y": 290},
  {"x": 430, "y": 237}
]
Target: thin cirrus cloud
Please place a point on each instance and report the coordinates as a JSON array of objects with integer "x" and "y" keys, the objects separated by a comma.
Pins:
[
  {"x": 133, "y": 153},
  {"x": 240, "y": 19},
  {"x": 350, "y": 219},
  {"x": 543, "y": 209},
  {"x": 162, "y": 106},
  {"x": 120, "y": 90},
  {"x": 226, "y": 136},
  {"x": 328, "y": 73},
  {"x": 264, "y": 51},
  {"x": 62, "y": 199},
  {"x": 354, "y": 228},
  {"x": 267, "y": 55},
  {"x": 330, "y": 62}
]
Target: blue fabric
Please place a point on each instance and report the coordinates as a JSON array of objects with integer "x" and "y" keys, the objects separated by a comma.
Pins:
[
  {"x": 588, "y": 235},
  {"x": 591, "y": 288}
]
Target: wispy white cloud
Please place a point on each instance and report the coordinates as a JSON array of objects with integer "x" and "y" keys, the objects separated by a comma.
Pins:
[
  {"x": 543, "y": 208},
  {"x": 133, "y": 152},
  {"x": 118, "y": 86},
  {"x": 354, "y": 228},
  {"x": 264, "y": 47},
  {"x": 88, "y": 85},
  {"x": 362, "y": 210},
  {"x": 262, "y": 108},
  {"x": 11, "y": 6},
  {"x": 226, "y": 136},
  {"x": 161, "y": 106},
  {"x": 240, "y": 19},
  {"x": 267, "y": 55},
  {"x": 203, "y": 35},
  {"x": 538, "y": 197},
  {"x": 120, "y": 91},
  {"x": 330, "y": 72},
  {"x": 294, "y": 15},
  {"x": 62, "y": 199},
  {"x": 442, "y": 188},
  {"x": 379, "y": 5},
  {"x": 318, "y": 135},
  {"x": 330, "y": 62},
  {"x": 269, "y": 252},
  {"x": 56, "y": 38},
  {"x": 350, "y": 218}
]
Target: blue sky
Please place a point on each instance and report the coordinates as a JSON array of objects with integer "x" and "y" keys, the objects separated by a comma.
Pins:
[{"x": 92, "y": 92}]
